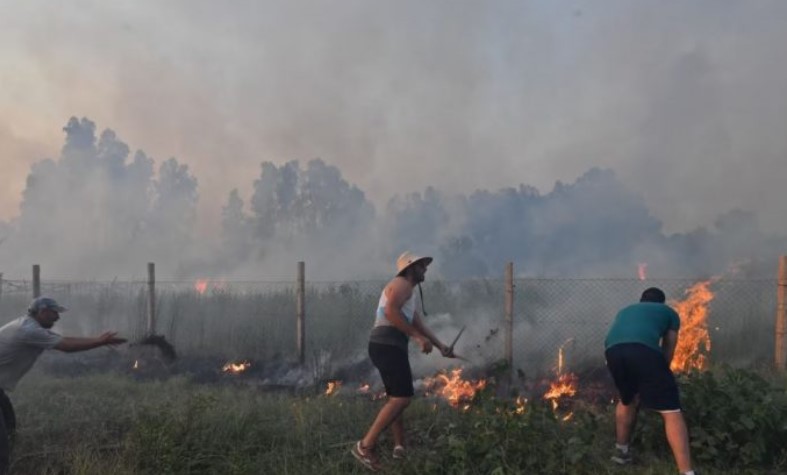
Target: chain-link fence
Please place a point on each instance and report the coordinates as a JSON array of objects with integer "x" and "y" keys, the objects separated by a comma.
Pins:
[{"x": 257, "y": 320}]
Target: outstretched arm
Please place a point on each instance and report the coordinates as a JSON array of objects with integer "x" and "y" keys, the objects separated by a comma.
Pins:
[{"x": 70, "y": 344}]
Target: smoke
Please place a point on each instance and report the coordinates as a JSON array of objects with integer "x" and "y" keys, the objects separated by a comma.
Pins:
[
  {"x": 416, "y": 104},
  {"x": 682, "y": 100},
  {"x": 95, "y": 212}
]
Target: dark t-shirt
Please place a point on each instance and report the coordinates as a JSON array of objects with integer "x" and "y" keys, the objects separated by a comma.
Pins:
[{"x": 644, "y": 322}]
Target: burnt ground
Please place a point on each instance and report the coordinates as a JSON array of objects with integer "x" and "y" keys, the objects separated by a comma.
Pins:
[{"x": 155, "y": 359}]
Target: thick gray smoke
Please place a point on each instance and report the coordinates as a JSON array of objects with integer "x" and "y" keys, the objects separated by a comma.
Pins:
[
  {"x": 95, "y": 212},
  {"x": 683, "y": 100}
]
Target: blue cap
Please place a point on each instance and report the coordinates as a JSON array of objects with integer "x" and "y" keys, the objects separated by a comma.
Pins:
[{"x": 43, "y": 303}]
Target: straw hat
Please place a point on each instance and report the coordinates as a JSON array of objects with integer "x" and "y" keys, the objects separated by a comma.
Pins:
[{"x": 407, "y": 259}]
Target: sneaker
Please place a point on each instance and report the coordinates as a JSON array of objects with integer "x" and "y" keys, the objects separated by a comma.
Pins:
[
  {"x": 622, "y": 458},
  {"x": 366, "y": 456},
  {"x": 399, "y": 452}
]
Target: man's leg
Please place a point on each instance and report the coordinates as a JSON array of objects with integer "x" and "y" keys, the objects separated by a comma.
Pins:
[
  {"x": 5, "y": 448},
  {"x": 397, "y": 427},
  {"x": 625, "y": 420},
  {"x": 7, "y": 411},
  {"x": 678, "y": 438},
  {"x": 389, "y": 412},
  {"x": 7, "y": 431}
]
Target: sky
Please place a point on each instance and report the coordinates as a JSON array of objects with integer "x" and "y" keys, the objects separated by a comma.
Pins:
[{"x": 683, "y": 100}]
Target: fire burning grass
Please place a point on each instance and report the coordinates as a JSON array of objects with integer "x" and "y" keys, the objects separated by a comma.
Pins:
[
  {"x": 236, "y": 367},
  {"x": 694, "y": 342},
  {"x": 450, "y": 386},
  {"x": 197, "y": 428}
]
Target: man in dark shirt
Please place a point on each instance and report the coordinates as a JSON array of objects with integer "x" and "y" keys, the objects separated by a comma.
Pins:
[{"x": 639, "y": 349}]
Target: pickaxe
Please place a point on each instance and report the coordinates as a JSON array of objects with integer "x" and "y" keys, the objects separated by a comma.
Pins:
[{"x": 453, "y": 343}]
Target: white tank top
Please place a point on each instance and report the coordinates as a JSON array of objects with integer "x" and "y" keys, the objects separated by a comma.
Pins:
[{"x": 408, "y": 309}]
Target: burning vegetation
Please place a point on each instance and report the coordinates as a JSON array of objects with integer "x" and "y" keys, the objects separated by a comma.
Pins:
[
  {"x": 451, "y": 386},
  {"x": 236, "y": 367},
  {"x": 694, "y": 341}
]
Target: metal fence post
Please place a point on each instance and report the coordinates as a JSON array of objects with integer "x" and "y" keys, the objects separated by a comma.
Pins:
[
  {"x": 780, "y": 356},
  {"x": 300, "y": 310},
  {"x": 151, "y": 330},
  {"x": 36, "y": 281},
  {"x": 509, "y": 316}
]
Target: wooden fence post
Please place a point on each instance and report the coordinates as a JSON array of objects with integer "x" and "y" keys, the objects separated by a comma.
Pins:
[
  {"x": 151, "y": 330},
  {"x": 36, "y": 281},
  {"x": 509, "y": 317},
  {"x": 300, "y": 310},
  {"x": 780, "y": 355},
  {"x": 1, "y": 285}
]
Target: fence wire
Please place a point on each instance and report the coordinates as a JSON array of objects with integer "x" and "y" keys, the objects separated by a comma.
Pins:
[{"x": 257, "y": 320}]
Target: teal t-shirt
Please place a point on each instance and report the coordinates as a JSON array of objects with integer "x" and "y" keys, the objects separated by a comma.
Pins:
[{"x": 644, "y": 322}]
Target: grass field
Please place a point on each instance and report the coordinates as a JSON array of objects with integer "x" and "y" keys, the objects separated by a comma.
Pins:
[{"x": 109, "y": 423}]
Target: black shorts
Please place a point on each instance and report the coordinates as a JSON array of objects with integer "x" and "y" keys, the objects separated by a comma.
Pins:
[
  {"x": 639, "y": 369},
  {"x": 394, "y": 367}
]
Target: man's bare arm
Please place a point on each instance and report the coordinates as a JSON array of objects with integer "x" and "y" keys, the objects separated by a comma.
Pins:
[
  {"x": 419, "y": 325},
  {"x": 668, "y": 345},
  {"x": 70, "y": 344}
]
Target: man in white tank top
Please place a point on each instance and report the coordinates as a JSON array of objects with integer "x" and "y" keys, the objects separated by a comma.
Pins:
[{"x": 397, "y": 320}]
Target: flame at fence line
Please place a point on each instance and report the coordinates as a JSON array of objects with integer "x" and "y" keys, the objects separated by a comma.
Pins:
[
  {"x": 565, "y": 386},
  {"x": 201, "y": 285},
  {"x": 694, "y": 340},
  {"x": 642, "y": 270},
  {"x": 561, "y": 360},
  {"x": 333, "y": 387},
  {"x": 236, "y": 368}
]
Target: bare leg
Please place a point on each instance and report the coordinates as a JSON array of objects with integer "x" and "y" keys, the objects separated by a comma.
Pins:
[
  {"x": 398, "y": 430},
  {"x": 678, "y": 438},
  {"x": 625, "y": 420},
  {"x": 389, "y": 412}
]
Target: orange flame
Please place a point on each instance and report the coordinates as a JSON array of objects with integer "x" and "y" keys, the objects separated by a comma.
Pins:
[
  {"x": 694, "y": 341},
  {"x": 642, "y": 270},
  {"x": 201, "y": 285},
  {"x": 364, "y": 388},
  {"x": 565, "y": 385},
  {"x": 333, "y": 387},
  {"x": 453, "y": 388},
  {"x": 236, "y": 368}
]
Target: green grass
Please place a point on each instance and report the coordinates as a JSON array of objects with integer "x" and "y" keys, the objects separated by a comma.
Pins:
[{"x": 111, "y": 424}]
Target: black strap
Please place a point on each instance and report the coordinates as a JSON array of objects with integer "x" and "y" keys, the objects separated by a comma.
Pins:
[{"x": 421, "y": 291}]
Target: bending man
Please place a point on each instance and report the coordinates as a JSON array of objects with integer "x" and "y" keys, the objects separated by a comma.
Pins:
[{"x": 639, "y": 349}]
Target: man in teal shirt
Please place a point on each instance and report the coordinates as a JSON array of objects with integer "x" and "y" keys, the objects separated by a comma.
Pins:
[{"x": 639, "y": 349}]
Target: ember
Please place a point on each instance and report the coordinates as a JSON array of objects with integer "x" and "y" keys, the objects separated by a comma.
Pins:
[
  {"x": 333, "y": 387},
  {"x": 236, "y": 368}
]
